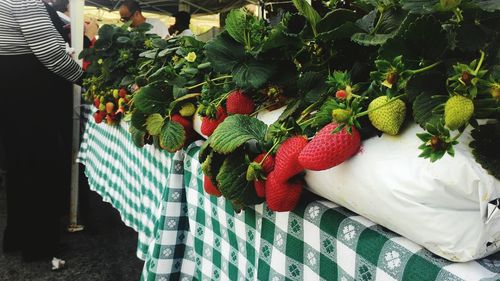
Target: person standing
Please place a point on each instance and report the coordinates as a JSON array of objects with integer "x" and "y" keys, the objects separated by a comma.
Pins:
[
  {"x": 33, "y": 56},
  {"x": 130, "y": 10},
  {"x": 181, "y": 25}
]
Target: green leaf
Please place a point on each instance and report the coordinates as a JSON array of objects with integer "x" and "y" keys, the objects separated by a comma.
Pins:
[
  {"x": 430, "y": 82},
  {"x": 336, "y": 18},
  {"x": 425, "y": 137},
  {"x": 232, "y": 183},
  {"x": 324, "y": 114},
  {"x": 172, "y": 136},
  {"x": 419, "y": 6},
  {"x": 205, "y": 150},
  {"x": 138, "y": 120},
  {"x": 127, "y": 80},
  {"x": 471, "y": 37},
  {"x": 224, "y": 53},
  {"x": 179, "y": 91},
  {"x": 151, "y": 100},
  {"x": 236, "y": 24},
  {"x": 154, "y": 123},
  {"x": 253, "y": 73},
  {"x": 486, "y": 5},
  {"x": 346, "y": 30},
  {"x": 235, "y": 131},
  {"x": 370, "y": 39},
  {"x": 308, "y": 12},
  {"x": 388, "y": 25},
  {"x": 485, "y": 147},
  {"x": 423, "y": 107},
  {"x": 123, "y": 39},
  {"x": 485, "y": 108},
  {"x": 424, "y": 39},
  {"x": 137, "y": 136}
]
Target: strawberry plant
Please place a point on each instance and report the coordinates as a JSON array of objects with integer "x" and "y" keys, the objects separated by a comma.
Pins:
[{"x": 361, "y": 69}]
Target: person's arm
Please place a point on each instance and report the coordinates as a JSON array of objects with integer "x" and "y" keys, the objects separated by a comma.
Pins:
[{"x": 44, "y": 40}]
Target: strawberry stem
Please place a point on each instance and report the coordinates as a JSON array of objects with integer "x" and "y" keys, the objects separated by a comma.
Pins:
[
  {"x": 416, "y": 71},
  {"x": 308, "y": 110},
  {"x": 209, "y": 80},
  {"x": 268, "y": 152},
  {"x": 378, "y": 107},
  {"x": 263, "y": 108},
  {"x": 222, "y": 98},
  {"x": 481, "y": 60},
  {"x": 307, "y": 122}
]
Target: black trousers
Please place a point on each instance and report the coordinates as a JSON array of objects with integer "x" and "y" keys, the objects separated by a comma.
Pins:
[{"x": 29, "y": 118}]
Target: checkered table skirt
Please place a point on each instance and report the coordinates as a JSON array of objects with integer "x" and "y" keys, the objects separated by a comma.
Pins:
[{"x": 184, "y": 234}]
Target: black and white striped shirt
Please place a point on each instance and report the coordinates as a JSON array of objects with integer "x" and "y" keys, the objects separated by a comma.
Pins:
[{"x": 25, "y": 28}]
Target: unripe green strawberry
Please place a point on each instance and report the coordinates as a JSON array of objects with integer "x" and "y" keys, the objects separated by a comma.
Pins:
[
  {"x": 187, "y": 109},
  {"x": 341, "y": 115},
  {"x": 457, "y": 111},
  {"x": 388, "y": 118},
  {"x": 116, "y": 93},
  {"x": 121, "y": 102},
  {"x": 102, "y": 107},
  {"x": 495, "y": 92}
]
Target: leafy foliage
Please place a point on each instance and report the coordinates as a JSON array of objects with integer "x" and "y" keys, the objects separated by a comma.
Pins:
[{"x": 235, "y": 131}]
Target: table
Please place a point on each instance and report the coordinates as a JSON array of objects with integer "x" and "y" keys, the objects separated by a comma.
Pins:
[{"x": 184, "y": 234}]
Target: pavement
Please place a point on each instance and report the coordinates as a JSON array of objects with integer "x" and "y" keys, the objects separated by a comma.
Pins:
[{"x": 105, "y": 251}]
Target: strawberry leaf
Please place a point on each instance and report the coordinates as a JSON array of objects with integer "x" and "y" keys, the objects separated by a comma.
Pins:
[
  {"x": 151, "y": 100},
  {"x": 485, "y": 147},
  {"x": 137, "y": 136},
  {"x": 172, "y": 136},
  {"x": 424, "y": 105},
  {"x": 308, "y": 12},
  {"x": 154, "y": 123},
  {"x": 235, "y": 131},
  {"x": 252, "y": 73},
  {"x": 236, "y": 24},
  {"x": 224, "y": 53},
  {"x": 486, "y": 5},
  {"x": 232, "y": 182},
  {"x": 138, "y": 120}
]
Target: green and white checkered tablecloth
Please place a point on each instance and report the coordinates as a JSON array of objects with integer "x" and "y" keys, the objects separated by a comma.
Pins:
[
  {"x": 318, "y": 241},
  {"x": 184, "y": 234},
  {"x": 133, "y": 180}
]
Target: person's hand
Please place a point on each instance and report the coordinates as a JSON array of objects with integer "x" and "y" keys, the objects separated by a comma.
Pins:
[{"x": 90, "y": 28}]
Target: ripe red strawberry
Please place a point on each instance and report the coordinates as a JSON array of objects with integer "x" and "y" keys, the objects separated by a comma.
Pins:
[
  {"x": 209, "y": 187},
  {"x": 208, "y": 125},
  {"x": 111, "y": 119},
  {"x": 341, "y": 94},
  {"x": 186, "y": 123},
  {"x": 260, "y": 188},
  {"x": 122, "y": 93},
  {"x": 97, "y": 102},
  {"x": 282, "y": 196},
  {"x": 287, "y": 164},
  {"x": 268, "y": 164},
  {"x": 99, "y": 116},
  {"x": 239, "y": 103},
  {"x": 327, "y": 150}
]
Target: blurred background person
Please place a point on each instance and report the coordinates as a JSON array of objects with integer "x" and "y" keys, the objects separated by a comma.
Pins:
[
  {"x": 33, "y": 56},
  {"x": 181, "y": 25},
  {"x": 130, "y": 10}
]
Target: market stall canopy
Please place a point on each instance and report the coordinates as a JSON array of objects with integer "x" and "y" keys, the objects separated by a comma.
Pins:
[{"x": 172, "y": 6}]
